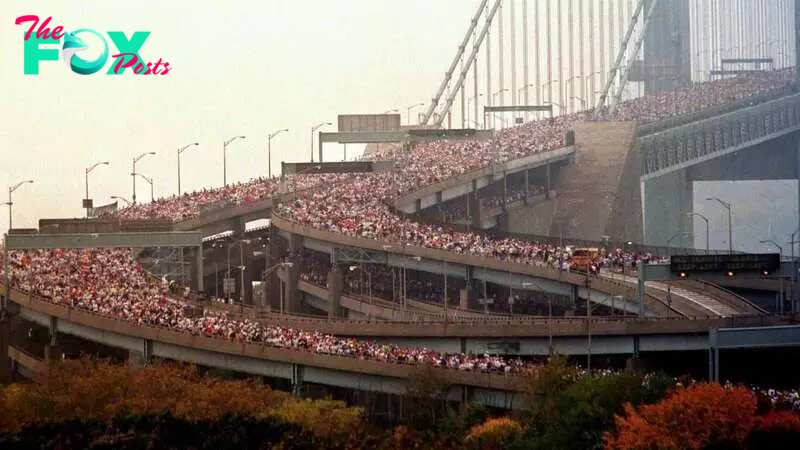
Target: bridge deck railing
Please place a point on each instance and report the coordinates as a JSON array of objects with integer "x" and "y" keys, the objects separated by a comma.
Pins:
[{"x": 702, "y": 139}]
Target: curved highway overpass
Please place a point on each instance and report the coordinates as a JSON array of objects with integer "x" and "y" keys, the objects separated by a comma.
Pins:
[{"x": 300, "y": 366}]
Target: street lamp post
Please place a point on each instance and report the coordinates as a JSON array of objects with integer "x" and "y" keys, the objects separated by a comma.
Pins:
[
  {"x": 793, "y": 242},
  {"x": 10, "y": 203},
  {"x": 726, "y": 205},
  {"x": 225, "y": 158},
  {"x": 313, "y": 129},
  {"x": 408, "y": 111},
  {"x": 86, "y": 181},
  {"x": 150, "y": 182},
  {"x": 705, "y": 219},
  {"x": 181, "y": 150},
  {"x": 781, "y": 294},
  {"x": 269, "y": 150},
  {"x": 117, "y": 197},
  {"x": 133, "y": 173}
]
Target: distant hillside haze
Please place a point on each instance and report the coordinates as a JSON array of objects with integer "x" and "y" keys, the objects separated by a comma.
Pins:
[{"x": 762, "y": 210}]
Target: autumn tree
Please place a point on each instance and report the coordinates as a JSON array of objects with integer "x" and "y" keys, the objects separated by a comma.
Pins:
[
  {"x": 699, "y": 417},
  {"x": 100, "y": 390},
  {"x": 494, "y": 433}
]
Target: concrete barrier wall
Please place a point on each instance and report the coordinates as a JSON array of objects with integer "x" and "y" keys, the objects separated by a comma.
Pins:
[
  {"x": 599, "y": 284},
  {"x": 291, "y": 356},
  {"x": 509, "y": 167}
]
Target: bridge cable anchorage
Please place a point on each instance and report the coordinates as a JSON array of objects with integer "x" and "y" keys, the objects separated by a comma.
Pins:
[{"x": 454, "y": 64}]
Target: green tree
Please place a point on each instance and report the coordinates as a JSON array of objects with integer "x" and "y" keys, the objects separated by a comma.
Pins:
[{"x": 571, "y": 412}]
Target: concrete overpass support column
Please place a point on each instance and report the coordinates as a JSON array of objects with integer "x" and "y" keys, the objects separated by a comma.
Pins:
[
  {"x": 297, "y": 380},
  {"x": 295, "y": 243},
  {"x": 238, "y": 226},
  {"x": 275, "y": 253},
  {"x": 139, "y": 359},
  {"x": 505, "y": 189},
  {"x": 548, "y": 182},
  {"x": 197, "y": 270},
  {"x": 250, "y": 275},
  {"x": 293, "y": 296},
  {"x": 574, "y": 298},
  {"x": 53, "y": 330},
  {"x": 666, "y": 202},
  {"x": 52, "y": 350},
  {"x": 467, "y": 394},
  {"x": 467, "y": 296},
  {"x": 527, "y": 184},
  {"x": 335, "y": 286},
  {"x": 474, "y": 205},
  {"x": 53, "y": 353},
  {"x": 502, "y": 221}
]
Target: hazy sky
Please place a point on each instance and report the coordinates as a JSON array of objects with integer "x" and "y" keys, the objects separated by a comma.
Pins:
[{"x": 248, "y": 67}]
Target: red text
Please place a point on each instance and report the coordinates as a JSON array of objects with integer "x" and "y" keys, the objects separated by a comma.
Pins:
[{"x": 42, "y": 32}]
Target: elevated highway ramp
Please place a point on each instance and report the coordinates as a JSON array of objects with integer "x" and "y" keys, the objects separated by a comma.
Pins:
[{"x": 693, "y": 299}]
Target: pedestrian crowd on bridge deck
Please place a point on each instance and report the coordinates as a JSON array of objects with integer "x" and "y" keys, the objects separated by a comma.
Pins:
[
  {"x": 110, "y": 282},
  {"x": 385, "y": 282},
  {"x": 358, "y": 204},
  {"x": 439, "y": 160}
]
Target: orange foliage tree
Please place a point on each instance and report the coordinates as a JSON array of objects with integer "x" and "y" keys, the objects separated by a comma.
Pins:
[
  {"x": 86, "y": 389},
  {"x": 494, "y": 433},
  {"x": 693, "y": 418}
]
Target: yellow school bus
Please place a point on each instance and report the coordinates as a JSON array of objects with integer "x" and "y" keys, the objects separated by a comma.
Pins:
[{"x": 582, "y": 258}]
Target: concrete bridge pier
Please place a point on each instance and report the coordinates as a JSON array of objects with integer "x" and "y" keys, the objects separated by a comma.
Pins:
[
  {"x": 250, "y": 274},
  {"x": 467, "y": 297},
  {"x": 52, "y": 350},
  {"x": 292, "y": 295},
  {"x": 276, "y": 251},
  {"x": 474, "y": 206},
  {"x": 297, "y": 380},
  {"x": 467, "y": 394}
]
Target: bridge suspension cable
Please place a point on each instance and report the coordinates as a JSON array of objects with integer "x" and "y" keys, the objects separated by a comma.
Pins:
[{"x": 454, "y": 64}]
